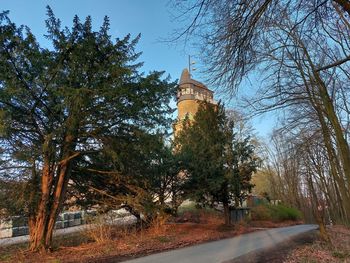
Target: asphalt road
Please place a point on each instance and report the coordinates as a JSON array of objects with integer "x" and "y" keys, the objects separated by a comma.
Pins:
[{"x": 226, "y": 249}]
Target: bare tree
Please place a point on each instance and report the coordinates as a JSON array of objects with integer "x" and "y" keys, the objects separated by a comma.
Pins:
[
  {"x": 300, "y": 50},
  {"x": 231, "y": 31}
]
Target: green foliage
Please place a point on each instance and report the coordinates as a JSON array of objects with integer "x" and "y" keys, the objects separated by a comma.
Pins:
[
  {"x": 281, "y": 212},
  {"x": 13, "y": 198},
  {"x": 191, "y": 206},
  {"x": 275, "y": 213},
  {"x": 137, "y": 173},
  {"x": 195, "y": 209},
  {"x": 217, "y": 166},
  {"x": 202, "y": 146},
  {"x": 81, "y": 107},
  {"x": 164, "y": 239},
  {"x": 341, "y": 254}
]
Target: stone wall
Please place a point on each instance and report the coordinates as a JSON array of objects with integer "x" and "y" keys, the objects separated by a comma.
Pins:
[{"x": 18, "y": 226}]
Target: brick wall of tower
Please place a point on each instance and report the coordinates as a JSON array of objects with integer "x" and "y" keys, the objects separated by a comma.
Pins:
[{"x": 187, "y": 107}]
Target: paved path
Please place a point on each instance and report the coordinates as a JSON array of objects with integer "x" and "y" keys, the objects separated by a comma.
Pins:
[{"x": 226, "y": 249}]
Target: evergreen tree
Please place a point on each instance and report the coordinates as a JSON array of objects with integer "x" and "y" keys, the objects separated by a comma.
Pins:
[
  {"x": 138, "y": 173},
  {"x": 217, "y": 166},
  {"x": 59, "y": 106}
]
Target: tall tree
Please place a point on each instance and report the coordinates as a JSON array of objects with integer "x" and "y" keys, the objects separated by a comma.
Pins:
[
  {"x": 303, "y": 177},
  {"x": 59, "y": 105},
  {"x": 217, "y": 167}
]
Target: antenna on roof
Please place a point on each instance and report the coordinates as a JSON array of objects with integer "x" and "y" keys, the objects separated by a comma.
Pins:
[{"x": 190, "y": 63}]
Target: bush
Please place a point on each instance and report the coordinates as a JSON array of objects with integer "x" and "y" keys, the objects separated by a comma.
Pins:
[
  {"x": 193, "y": 213},
  {"x": 283, "y": 213},
  {"x": 98, "y": 228},
  {"x": 157, "y": 224},
  {"x": 187, "y": 207},
  {"x": 261, "y": 213},
  {"x": 279, "y": 212}
]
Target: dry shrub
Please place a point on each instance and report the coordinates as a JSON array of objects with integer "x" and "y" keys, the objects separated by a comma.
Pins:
[
  {"x": 157, "y": 224},
  {"x": 199, "y": 215},
  {"x": 261, "y": 213},
  {"x": 242, "y": 227},
  {"x": 188, "y": 217},
  {"x": 123, "y": 231},
  {"x": 98, "y": 229},
  {"x": 210, "y": 217}
]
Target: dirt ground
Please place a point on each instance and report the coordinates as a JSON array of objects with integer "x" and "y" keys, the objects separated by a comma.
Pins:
[
  {"x": 336, "y": 252},
  {"x": 277, "y": 254},
  {"x": 305, "y": 248},
  {"x": 125, "y": 243}
]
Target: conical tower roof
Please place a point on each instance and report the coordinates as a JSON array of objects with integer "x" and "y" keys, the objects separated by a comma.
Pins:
[
  {"x": 185, "y": 76},
  {"x": 186, "y": 79}
]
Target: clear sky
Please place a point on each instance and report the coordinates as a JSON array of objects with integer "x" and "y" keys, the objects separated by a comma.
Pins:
[{"x": 152, "y": 18}]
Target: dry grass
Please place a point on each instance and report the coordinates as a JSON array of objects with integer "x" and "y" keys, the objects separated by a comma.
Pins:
[
  {"x": 158, "y": 224},
  {"x": 129, "y": 241},
  {"x": 338, "y": 251},
  {"x": 99, "y": 230},
  {"x": 20, "y": 253}
]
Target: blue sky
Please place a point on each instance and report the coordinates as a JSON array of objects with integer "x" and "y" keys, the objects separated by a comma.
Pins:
[{"x": 152, "y": 18}]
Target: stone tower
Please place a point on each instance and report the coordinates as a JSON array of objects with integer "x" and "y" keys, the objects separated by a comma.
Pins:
[{"x": 189, "y": 93}]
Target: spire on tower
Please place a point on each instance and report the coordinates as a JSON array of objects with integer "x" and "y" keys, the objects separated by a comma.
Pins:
[{"x": 185, "y": 76}]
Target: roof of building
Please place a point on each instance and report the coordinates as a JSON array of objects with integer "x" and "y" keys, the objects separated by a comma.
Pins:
[{"x": 186, "y": 79}]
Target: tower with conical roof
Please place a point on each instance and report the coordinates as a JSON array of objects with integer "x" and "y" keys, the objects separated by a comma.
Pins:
[{"x": 190, "y": 93}]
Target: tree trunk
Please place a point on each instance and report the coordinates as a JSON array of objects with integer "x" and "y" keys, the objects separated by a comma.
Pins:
[
  {"x": 161, "y": 198},
  {"x": 319, "y": 218},
  {"x": 58, "y": 200},
  {"x": 330, "y": 114},
  {"x": 322, "y": 227},
  {"x": 38, "y": 220},
  {"x": 339, "y": 135},
  {"x": 339, "y": 183},
  {"x": 227, "y": 214},
  {"x": 345, "y": 4},
  {"x": 323, "y": 105},
  {"x": 42, "y": 223}
]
